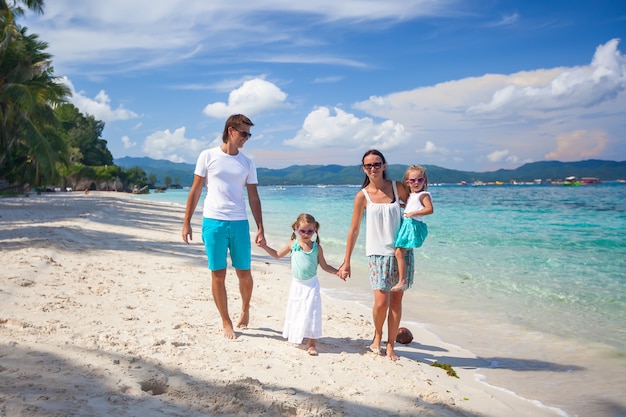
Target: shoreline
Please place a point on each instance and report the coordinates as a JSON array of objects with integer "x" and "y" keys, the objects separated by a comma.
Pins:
[{"x": 102, "y": 295}]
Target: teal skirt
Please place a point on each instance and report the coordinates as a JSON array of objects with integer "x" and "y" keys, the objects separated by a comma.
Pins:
[{"x": 412, "y": 233}]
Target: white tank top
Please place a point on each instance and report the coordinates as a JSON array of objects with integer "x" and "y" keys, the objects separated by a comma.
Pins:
[
  {"x": 414, "y": 203},
  {"x": 382, "y": 221}
]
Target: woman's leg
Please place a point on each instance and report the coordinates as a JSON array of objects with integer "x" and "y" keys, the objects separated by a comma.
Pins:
[
  {"x": 379, "y": 314},
  {"x": 393, "y": 322}
]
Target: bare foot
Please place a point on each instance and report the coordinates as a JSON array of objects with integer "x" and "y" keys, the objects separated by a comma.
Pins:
[
  {"x": 400, "y": 286},
  {"x": 391, "y": 354},
  {"x": 312, "y": 351},
  {"x": 374, "y": 348},
  {"x": 243, "y": 320},
  {"x": 229, "y": 333},
  {"x": 375, "y": 345}
]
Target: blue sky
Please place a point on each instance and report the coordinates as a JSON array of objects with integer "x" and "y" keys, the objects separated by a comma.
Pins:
[{"x": 470, "y": 85}]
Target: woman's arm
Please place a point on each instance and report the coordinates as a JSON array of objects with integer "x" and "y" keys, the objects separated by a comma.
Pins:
[{"x": 353, "y": 233}]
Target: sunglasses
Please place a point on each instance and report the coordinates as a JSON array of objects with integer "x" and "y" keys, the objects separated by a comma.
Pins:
[
  {"x": 415, "y": 180},
  {"x": 376, "y": 165},
  {"x": 306, "y": 232},
  {"x": 245, "y": 134}
]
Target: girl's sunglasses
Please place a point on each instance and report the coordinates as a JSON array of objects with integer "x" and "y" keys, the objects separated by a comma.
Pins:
[
  {"x": 306, "y": 232},
  {"x": 415, "y": 180}
]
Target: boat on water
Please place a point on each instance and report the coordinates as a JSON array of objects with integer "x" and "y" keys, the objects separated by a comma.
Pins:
[
  {"x": 574, "y": 181},
  {"x": 590, "y": 181},
  {"x": 571, "y": 182}
]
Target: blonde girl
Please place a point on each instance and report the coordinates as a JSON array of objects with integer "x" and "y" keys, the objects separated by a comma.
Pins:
[
  {"x": 413, "y": 230},
  {"x": 304, "y": 306}
]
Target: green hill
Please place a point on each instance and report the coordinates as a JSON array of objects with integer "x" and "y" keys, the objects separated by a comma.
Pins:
[
  {"x": 179, "y": 172},
  {"x": 338, "y": 174}
]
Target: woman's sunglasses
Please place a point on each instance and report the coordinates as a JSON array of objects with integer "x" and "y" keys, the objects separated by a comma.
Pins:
[{"x": 376, "y": 165}]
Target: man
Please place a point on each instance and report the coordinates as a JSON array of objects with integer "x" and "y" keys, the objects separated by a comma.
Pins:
[{"x": 226, "y": 172}]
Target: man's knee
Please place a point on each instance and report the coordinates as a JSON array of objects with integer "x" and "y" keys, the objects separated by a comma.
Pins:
[
  {"x": 244, "y": 274},
  {"x": 219, "y": 274}
]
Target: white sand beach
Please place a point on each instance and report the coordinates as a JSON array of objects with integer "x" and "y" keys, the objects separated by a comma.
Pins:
[{"x": 104, "y": 311}]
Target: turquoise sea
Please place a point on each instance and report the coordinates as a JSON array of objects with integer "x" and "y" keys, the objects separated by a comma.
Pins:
[{"x": 510, "y": 271}]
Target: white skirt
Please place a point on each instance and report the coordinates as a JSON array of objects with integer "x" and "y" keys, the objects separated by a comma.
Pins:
[{"x": 304, "y": 311}]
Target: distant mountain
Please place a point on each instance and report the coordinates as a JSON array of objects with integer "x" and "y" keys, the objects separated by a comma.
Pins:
[
  {"x": 338, "y": 174},
  {"x": 180, "y": 173}
]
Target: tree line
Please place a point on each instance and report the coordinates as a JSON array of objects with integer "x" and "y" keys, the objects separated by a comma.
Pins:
[{"x": 44, "y": 139}]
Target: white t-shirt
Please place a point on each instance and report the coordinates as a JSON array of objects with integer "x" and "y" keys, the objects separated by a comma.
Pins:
[{"x": 226, "y": 177}]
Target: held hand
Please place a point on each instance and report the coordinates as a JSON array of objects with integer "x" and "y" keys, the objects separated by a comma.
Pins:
[
  {"x": 344, "y": 272},
  {"x": 260, "y": 239}
]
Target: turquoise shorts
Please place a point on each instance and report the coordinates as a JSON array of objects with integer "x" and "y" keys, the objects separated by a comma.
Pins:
[
  {"x": 223, "y": 236},
  {"x": 384, "y": 270}
]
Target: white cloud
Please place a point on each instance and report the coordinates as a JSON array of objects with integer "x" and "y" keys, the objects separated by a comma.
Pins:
[
  {"x": 128, "y": 143},
  {"x": 120, "y": 35},
  {"x": 331, "y": 79},
  {"x": 431, "y": 148},
  {"x": 253, "y": 97},
  {"x": 321, "y": 129},
  {"x": 498, "y": 156},
  {"x": 98, "y": 107},
  {"x": 506, "y": 20},
  {"x": 173, "y": 146},
  {"x": 580, "y": 144},
  {"x": 578, "y": 87},
  {"x": 527, "y": 113}
]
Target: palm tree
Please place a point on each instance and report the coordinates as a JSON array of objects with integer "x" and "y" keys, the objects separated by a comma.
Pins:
[
  {"x": 16, "y": 9},
  {"x": 30, "y": 145}
]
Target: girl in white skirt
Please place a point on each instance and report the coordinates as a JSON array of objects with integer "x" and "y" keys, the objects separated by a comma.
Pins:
[
  {"x": 413, "y": 230},
  {"x": 304, "y": 307}
]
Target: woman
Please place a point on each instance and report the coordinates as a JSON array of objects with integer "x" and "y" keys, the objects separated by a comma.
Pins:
[{"x": 380, "y": 198}]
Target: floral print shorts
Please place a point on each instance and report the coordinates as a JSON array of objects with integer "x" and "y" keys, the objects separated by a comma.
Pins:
[{"x": 384, "y": 270}]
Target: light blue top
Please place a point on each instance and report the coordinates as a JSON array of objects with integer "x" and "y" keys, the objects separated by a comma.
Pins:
[{"x": 303, "y": 264}]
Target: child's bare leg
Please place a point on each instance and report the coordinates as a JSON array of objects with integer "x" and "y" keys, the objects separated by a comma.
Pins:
[{"x": 401, "y": 285}]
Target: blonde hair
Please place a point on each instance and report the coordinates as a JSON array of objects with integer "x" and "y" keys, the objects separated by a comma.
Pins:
[
  {"x": 411, "y": 169},
  {"x": 305, "y": 218}
]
